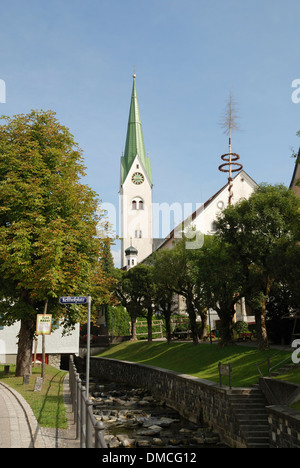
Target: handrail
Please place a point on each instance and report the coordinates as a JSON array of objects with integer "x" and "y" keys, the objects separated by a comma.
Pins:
[
  {"x": 90, "y": 431},
  {"x": 262, "y": 362},
  {"x": 280, "y": 363},
  {"x": 268, "y": 360}
]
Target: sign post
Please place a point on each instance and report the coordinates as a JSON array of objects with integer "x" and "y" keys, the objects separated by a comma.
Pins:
[
  {"x": 88, "y": 347},
  {"x": 43, "y": 327},
  {"x": 65, "y": 300},
  {"x": 225, "y": 369}
]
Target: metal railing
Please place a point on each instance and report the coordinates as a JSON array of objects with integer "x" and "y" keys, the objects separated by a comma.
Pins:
[
  {"x": 271, "y": 368},
  {"x": 88, "y": 429}
]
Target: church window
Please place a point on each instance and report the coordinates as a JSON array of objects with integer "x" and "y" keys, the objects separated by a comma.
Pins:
[
  {"x": 137, "y": 204},
  {"x": 138, "y": 234},
  {"x": 214, "y": 226}
]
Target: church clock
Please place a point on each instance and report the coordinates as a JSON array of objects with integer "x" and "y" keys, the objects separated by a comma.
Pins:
[{"x": 137, "y": 178}]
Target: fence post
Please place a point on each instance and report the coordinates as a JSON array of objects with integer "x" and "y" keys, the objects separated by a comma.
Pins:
[
  {"x": 86, "y": 424},
  {"x": 89, "y": 424},
  {"x": 99, "y": 437},
  {"x": 78, "y": 405},
  {"x": 82, "y": 417}
]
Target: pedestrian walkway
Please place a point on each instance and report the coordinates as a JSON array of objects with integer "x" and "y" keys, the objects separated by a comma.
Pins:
[{"x": 19, "y": 427}]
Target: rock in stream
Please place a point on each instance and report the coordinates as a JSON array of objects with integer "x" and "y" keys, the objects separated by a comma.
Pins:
[{"x": 132, "y": 417}]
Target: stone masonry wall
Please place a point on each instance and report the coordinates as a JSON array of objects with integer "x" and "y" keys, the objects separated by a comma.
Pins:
[
  {"x": 284, "y": 427},
  {"x": 198, "y": 400}
]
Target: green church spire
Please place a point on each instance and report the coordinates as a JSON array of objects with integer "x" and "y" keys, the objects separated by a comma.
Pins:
[{"x": 134, "y": 141}]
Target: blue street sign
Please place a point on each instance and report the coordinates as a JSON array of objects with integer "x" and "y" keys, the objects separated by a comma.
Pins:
[{"x": 73, "y": 300}]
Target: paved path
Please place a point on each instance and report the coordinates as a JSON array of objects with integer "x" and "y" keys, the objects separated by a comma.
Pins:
[{"x": 19, "y": 427}]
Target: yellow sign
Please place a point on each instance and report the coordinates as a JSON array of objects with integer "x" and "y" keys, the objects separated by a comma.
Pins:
[{"x": 43, "y": 324}]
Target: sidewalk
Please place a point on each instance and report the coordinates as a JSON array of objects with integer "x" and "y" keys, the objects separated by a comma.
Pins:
[{"x": 19, "y": 427}]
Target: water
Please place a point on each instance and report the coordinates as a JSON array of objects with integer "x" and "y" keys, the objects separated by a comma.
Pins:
[{"x": 132, "y": 417}]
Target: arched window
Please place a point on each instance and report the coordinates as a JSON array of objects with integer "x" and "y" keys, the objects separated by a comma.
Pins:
[{"x": 137, "y": 203}]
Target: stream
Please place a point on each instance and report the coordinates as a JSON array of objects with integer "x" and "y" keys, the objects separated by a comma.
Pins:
[{"x": 132, "y": 417}]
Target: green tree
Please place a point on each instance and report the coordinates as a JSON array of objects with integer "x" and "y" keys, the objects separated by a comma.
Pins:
[
  {"x": 164, "y": 306},
  {"x": 128, "y": 293},
  {"x": 260, "y": 232},
  {"x": 174, "y": 270},
  {"x": 218, "y": 282},
  {"x": 48, "y": 244},
  {"x": 118, "y": 320},
  {"x": 136, "y": 292}
]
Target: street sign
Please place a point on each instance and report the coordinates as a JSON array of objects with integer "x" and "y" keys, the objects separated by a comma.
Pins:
[{"x": 73, "y": 300}]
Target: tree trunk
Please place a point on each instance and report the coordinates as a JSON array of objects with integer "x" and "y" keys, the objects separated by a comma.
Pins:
[
  {"x": 24, "y": 356},
  {"x": 167, "y": 316},
  {"x": 226, "y": 333},
  {"x": 192, "y": 317},
  {"x": 260, "y": 318},
  {"x": 133, "y": 329},
  {"x": 261, "y": 329},
  {"x": 203, "y": 332}
]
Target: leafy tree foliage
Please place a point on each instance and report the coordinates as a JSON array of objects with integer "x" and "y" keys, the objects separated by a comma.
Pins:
[
  {"x": 261, "y": 232},
  {"x": 48, "y": 243}
]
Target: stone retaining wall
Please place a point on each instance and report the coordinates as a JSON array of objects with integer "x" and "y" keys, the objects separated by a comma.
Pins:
[
  {"x": 284, "y": 422},
  {"x": 197, "y": 400},
  {"x": 284, "y": 427}
]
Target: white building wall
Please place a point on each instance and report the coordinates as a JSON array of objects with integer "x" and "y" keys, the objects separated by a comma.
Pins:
[
  {"x": 55, "y": 343},
  {"x": 243, "y": 187}
]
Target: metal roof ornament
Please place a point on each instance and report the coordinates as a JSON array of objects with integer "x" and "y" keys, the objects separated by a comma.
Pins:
[{"x": 229, "y": 124}]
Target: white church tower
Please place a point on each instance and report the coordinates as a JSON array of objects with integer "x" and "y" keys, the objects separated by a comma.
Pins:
[{"x": 135, "y": 192}]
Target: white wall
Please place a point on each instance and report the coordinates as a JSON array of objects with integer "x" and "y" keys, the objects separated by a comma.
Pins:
[{"x": 55, "y": 343}]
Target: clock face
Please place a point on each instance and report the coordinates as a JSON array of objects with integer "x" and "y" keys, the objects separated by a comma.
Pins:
[{"x": 137, "y": 178}]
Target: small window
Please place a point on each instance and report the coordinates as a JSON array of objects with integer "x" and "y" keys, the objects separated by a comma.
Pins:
[
  {"x": 137, "y": 204},
  {"x": 132, "y": 262},
  {"x": 214, "y": 226},
  {"x": 138, "y": 234}
]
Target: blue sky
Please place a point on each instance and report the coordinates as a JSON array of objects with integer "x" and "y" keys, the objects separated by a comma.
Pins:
[{"x": 76, "y": 58}]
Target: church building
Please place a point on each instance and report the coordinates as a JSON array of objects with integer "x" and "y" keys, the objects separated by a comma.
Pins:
[
  {"x": 136, "y": 185},
  {"x": 135, "y": 192},
  {"x": 137, "y": 243}
]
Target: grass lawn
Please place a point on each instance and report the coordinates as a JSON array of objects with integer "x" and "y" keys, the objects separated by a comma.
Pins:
[
  {"x": 47, "y": 405},
  {"x": 200, "y": 361}
]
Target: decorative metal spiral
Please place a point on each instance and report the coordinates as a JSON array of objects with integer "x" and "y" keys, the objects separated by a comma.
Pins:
[{"x": 230, "y": 160}]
